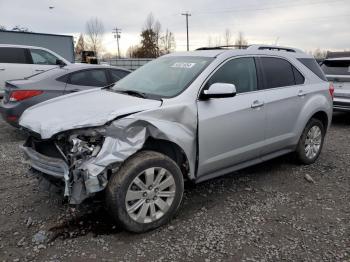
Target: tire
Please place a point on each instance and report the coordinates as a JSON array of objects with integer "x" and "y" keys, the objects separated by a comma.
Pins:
[
  {"x": 157, "y": 201},
  {"x": 304, "y": 156}
]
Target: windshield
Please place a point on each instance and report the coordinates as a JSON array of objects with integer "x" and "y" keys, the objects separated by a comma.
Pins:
[{"x": 164, "y": 77}]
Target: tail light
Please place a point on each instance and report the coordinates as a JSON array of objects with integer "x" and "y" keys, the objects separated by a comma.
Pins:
[
  {"x": 24, "y": 94},
  {"x": 331, "y": 89}
]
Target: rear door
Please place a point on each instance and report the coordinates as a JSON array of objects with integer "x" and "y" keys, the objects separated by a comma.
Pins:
[
  {"x": 86, "y": 79},
  {"x": 284, "y": 96},
  {"x": 14, "y": 64},
  {"x": 42, "y": 60}
]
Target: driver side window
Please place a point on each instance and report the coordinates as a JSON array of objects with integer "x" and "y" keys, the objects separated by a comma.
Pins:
[
  {"x": 41, "y": 57},
  {"x": 240, "y": 71}
]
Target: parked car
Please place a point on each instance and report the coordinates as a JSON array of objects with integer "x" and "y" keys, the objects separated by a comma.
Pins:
[
  {"x": 194, "y": 115},
  {"x": 337, "y": 70},
  {"x": 19, "y": 61},
  {"x": 21, "y": 94}
]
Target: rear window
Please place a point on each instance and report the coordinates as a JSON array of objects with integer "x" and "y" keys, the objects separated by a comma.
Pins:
[
  {"x": 336, "y": 67},
  {"x": 13, "y": 55},
  {"x": 313, "y": 66}
]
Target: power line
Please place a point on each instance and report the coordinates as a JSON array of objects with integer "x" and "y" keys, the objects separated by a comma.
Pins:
[
  {"x": 187, "y": 14},
  {"x": 116, "y": 32},
  {"x": 263, "y": 8}
]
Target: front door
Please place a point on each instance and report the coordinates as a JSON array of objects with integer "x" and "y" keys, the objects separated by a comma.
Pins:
[{"x": 231, "y": 130}]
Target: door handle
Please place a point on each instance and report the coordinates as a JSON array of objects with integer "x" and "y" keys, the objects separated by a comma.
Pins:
[
  {"x": 257, "y": 104},
  {"x": 301, "y": 93},
  {"x": 2, "y": 69},
  {"x": 39, "y": 70},
  {"x": 74, "y": 90}
]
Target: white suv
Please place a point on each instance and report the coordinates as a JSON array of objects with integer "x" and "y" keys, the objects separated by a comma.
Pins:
[{"x": 19, "y": 61}]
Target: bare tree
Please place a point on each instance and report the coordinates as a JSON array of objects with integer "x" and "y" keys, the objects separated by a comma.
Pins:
[
  {"x": 2, "y": 28},
  {"x": 94, "y": 32},
  {"x": 168, "y": 44},
  {"x": 80, "y": 46},
  {"x": 241, "y": 42},
  {"x": 319, "y": 54},
  {"x": 149, "y": 24},
  {"x": 227, "y": 37}
]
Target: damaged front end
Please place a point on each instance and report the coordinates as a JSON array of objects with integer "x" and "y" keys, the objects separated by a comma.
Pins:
[
  {"x": 62, "y": 161},
  {"x": 82, "y": 159}
]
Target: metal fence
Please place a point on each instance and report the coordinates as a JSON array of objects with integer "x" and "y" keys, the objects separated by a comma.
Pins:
[{"x": 128, "y": 63}]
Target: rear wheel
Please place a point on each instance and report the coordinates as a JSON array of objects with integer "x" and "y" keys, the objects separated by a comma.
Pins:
[
  {"x": 146, "y": 191},
  {"x": 311, "y": 142}
]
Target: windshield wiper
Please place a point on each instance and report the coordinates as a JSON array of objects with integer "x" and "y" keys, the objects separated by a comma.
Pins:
[{"x": 132, "y": 93}]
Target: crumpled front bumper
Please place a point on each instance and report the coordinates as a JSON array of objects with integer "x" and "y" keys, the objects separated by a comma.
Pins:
[{"x": 54, "y": 167}]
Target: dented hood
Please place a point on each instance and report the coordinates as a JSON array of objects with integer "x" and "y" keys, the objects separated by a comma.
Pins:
[{"x": 83, "y": 109}]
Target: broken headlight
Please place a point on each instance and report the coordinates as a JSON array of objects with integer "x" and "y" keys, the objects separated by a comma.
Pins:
[{"x": 84, "y": 146}]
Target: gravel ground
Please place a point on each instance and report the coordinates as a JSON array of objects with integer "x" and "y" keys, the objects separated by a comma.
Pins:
[{"x": 269, "y": 212}]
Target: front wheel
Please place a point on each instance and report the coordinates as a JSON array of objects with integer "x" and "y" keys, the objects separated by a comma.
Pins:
[
  {"x": 146, "y": 191},
  {"x": 311, "y": 142}
]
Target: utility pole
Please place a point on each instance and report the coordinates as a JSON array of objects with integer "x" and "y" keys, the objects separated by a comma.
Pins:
[
  {"x": 187, "y": 14},
  {"x": 117, "y": 31}
]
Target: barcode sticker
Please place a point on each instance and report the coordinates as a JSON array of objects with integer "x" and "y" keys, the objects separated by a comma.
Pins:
[{"x": 183, "y": 65}]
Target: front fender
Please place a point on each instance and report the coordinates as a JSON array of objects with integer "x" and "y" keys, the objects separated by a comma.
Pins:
[{"x": 126, "y": 136}]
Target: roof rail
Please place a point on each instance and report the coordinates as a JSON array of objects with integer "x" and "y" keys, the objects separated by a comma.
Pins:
[
  {"x": 274, "y": 48},
  {"x": 223, "y": 47}
]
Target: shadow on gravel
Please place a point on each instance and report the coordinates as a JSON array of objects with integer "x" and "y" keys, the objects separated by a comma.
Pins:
[
  {"x": 341, "y": 119},
  {"x": 92, "y": 218}
]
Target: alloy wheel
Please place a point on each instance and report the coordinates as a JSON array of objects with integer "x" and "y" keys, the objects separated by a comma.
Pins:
[
  {"x": 313, "y": 142},
  {"x": 150, "y": 195}
]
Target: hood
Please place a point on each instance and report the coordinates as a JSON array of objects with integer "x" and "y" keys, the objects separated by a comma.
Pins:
[{"x": 82, "y": 109}]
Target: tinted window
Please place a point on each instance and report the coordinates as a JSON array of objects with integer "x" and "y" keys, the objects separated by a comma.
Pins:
[
  {"x": 41, "y": 57},
  {"x": 299, "y": 78},
  {"x": 116, "y": 75},
  {"x": 89, "y": 78},
  {"x": 277, "y": 72},
  {"x": 313, "y": 66},
  {"x": 241, "y": 72},
  {"x": 336, "y": 67},
  {"x": 63, "y": 79},
  {"x": 13, "y": 55}
]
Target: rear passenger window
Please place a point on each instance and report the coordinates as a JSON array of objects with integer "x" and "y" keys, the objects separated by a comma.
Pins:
[
  {"x": 313, "y": 66},
  {"x": 241, "y": 72},
  {"x": 116, "y": 75},
  {"x": 278, "y": 72},
  {"x": 89, "y": 78},
  {"x": 13, "y": 55}
]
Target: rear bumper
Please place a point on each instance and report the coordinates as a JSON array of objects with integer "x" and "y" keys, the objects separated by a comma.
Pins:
[
  {"x": 341, "y": 104},
  {"x": 10, "y": 113}
]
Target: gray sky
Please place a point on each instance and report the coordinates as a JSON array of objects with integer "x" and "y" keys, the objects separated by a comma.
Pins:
[{"x": 306, "y": 24}]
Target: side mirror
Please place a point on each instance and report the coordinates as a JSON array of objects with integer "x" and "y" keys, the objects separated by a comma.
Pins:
[
  {"x": 219, "y": 90},
  {"x": 60, "y": 62}
]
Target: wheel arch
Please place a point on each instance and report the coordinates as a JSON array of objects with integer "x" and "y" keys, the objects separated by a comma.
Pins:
[{"x": 172, "y": 150}]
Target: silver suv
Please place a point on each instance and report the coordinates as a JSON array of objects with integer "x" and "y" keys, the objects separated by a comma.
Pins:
[{"x": 194, "y": 115}]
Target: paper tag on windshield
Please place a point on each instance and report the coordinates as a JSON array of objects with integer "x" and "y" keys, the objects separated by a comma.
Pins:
[{"x": 183, "y": 65}]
